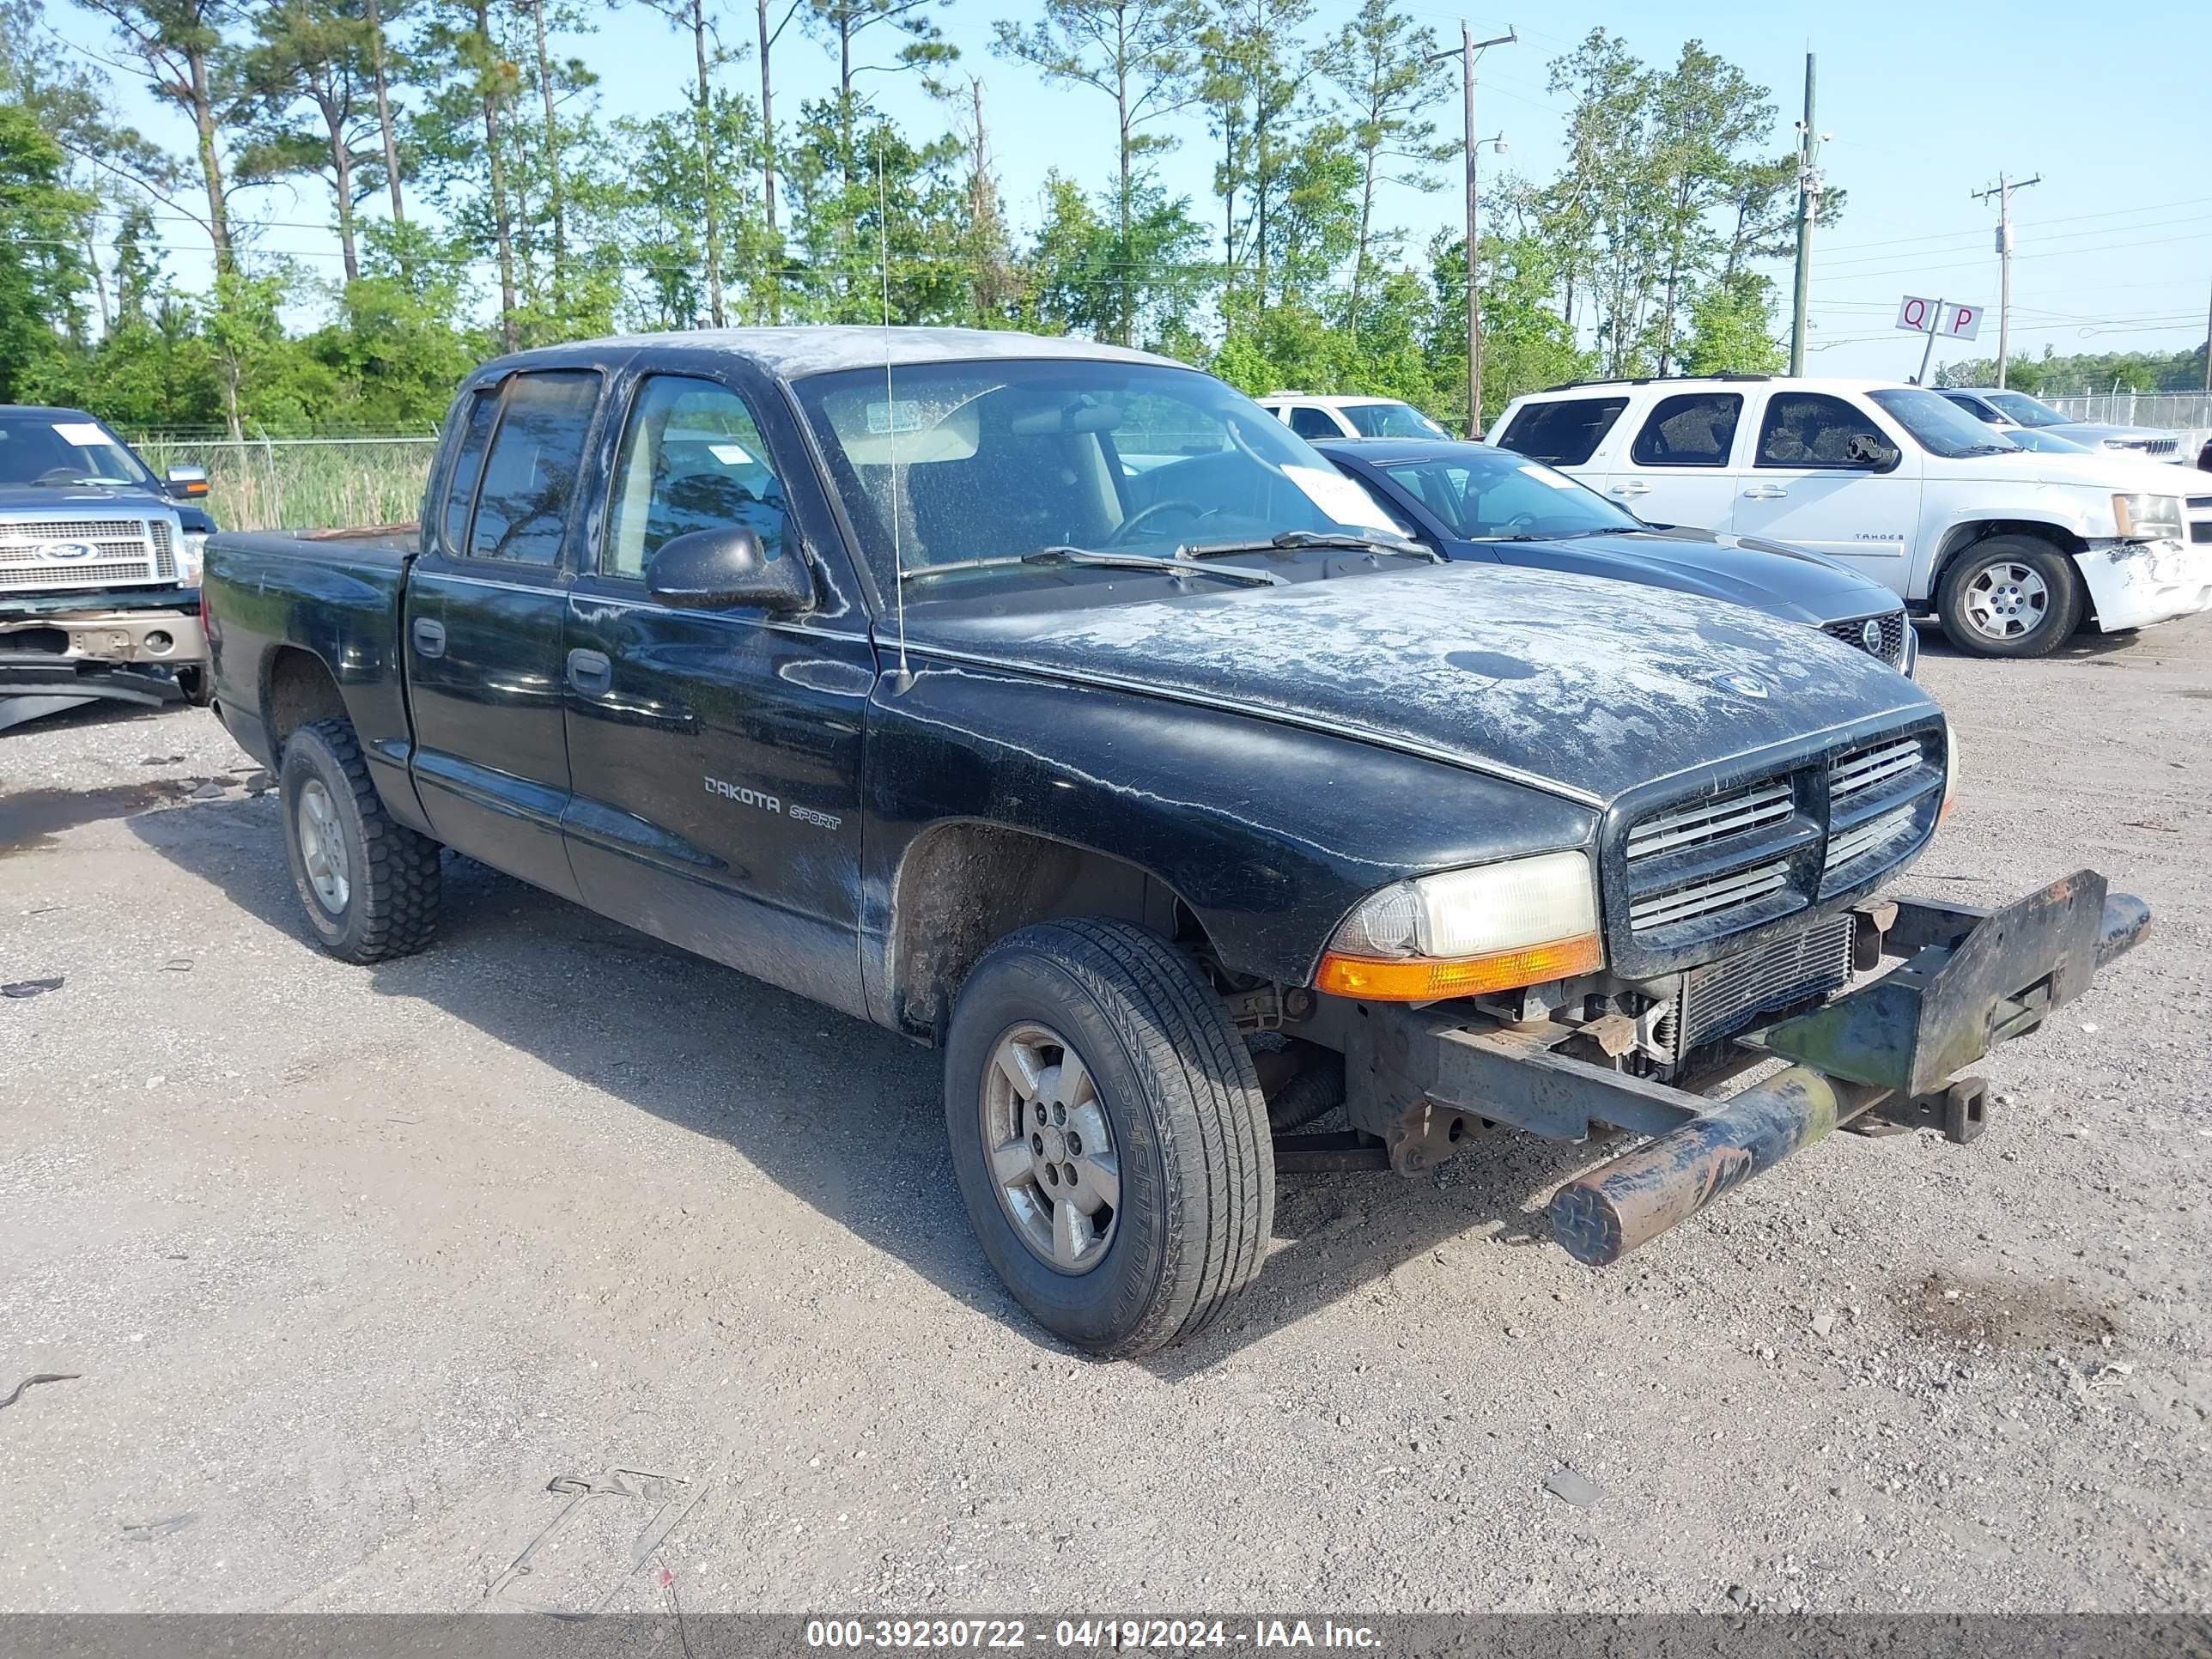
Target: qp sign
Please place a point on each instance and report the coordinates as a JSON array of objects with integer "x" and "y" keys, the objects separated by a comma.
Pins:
[{"x": 1956, "y": 322}]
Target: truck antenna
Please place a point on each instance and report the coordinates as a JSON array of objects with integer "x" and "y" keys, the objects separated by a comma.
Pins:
[{"x": 890, "y": 414}]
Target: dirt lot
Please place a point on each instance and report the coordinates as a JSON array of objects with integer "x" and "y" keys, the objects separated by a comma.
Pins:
[{"x": 350, "y": 1263}]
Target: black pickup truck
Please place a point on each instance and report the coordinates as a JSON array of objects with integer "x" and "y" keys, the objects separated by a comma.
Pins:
[{"x": 1052, "y": 704}]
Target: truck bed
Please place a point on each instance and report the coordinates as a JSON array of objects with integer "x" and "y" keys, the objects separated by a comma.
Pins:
[{"x": 336, "y": 595}]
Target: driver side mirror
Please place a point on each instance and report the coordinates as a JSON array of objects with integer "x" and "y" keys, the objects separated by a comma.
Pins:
[
  {"x": 725, "y": 568},
  {"x": 1875, "y": 453},
  {"x": 186, "y": 482}
]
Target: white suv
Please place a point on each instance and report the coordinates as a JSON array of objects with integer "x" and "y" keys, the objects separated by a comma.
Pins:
[
  {"x": 2009, "y": 549},
  {"x": 1310, "y": 415}
]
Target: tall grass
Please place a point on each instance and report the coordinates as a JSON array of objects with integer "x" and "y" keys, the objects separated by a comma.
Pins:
[{"x": 309, "y": 485}]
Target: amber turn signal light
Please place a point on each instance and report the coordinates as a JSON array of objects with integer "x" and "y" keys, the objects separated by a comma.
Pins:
[{"x": 1419, "y": 980}]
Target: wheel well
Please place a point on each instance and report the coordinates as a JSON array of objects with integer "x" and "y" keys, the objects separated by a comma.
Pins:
[
  {"x": 299, "y": 688},
  {"x": 1962, "y": 536},
  {"x": 963, "y": 886}
]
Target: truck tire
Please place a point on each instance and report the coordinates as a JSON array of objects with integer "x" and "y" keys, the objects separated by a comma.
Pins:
[
  {"x": 369, "y": 884},
  {"x": 1109, "y": 1134},
  {"x": 193, "y": 685},
  {"x": 2010, "y": 596}
]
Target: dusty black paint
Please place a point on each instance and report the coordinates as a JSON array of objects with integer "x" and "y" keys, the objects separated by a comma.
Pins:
[{"x": 1257, "y": 758}]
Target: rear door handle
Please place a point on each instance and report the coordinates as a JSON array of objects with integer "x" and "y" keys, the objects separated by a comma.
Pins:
[
  {"x": 429, "y": 637},
  {"x": 1633, "y": 487},
  {"x": 590, "y": 673},
  {"x": 1765, "y": 493}
]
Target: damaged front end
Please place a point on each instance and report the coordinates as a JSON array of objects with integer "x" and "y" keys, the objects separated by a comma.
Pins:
[{"x": 1947, "y": 984}]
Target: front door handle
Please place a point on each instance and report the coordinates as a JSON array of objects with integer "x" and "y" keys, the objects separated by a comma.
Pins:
[
  {"x": 590, "y": 673},
  {"x": 429, "y": 637},
  {"x": 1633, "y": 487},
  {"x": 1765, "y": 493}
]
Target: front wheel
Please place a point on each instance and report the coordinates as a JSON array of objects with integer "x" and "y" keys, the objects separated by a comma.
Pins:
[
  {"x": 1109, "y": 1134},
  {"x": 2010, "y": 596}
]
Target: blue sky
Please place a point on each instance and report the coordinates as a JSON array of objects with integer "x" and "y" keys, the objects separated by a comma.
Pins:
[{"x": 1925, "y": 105}]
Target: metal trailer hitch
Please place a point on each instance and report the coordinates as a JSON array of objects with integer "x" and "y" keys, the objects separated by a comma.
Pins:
[{"x": 1971, "y": 980}]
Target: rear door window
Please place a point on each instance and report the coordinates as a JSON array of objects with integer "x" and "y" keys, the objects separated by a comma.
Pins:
[
  {"x": 1565, "y": 433},
  {"x": 530, "y": 476},
  {"x": 468, "y": 466},
  {"x": 1691, "y": 429}
]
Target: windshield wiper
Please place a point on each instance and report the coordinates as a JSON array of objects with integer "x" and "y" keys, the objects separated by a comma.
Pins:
[
  {"x": 1292, "y": 540},
  {"x": 1047, "y": 557}
]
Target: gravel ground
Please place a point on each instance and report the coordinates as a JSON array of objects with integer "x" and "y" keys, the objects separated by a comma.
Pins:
[{"x": 350, "y": 1263}]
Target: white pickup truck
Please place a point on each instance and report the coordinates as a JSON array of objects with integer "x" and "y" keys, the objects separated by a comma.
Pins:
[{"x": 2011, "y": 551}]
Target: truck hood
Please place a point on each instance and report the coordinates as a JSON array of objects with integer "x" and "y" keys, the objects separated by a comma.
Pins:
[
  {"x": 60, "y": 501},
  {"x": 2104, "y": 472},
  {"x": 1780, "y": 581},
  {"x": 1583, "y": 686}
]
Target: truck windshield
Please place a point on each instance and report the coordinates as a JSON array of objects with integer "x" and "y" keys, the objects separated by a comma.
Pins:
[
  {"x": 1938, "y": 425},
  {"x": 1493, "y": 495},
  {"x": 2025, "y": 409},
  {"x": 985, "y": 461},
  {"x": 59, "y": 449},
  {"x": 1390, "y": 421}
]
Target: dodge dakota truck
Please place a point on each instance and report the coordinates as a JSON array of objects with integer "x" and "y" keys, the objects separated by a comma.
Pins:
[
  {"x": 99, "y": 569},
  {"x": 1052, "y": 704}
]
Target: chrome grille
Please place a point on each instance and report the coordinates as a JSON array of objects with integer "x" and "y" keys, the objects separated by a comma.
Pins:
[
  {"x": 1722, "y": 998},
  {"x": 72, "y": 575},
  {"x": 1859, "y": 841},
  {"x": 2159, "y": 447},
  {"x": 1890, "y": 648},
  {"x": 121, "y": 552},
  {"x": 1704, "y": 822},
  {"x": 1863, "y": 769},
  {"x": 1731, "y": 891}
]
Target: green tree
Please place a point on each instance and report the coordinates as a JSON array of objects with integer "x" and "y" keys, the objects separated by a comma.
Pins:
[
  {"x": 309, "y": 105},
  {"x": 1732, "y": 329},
  {"x": 1139, "y": 53},
  {"x": 1380, "y": 62},
  {"x": 458, "y": 131},
  {"x": 42, "y": 267}
]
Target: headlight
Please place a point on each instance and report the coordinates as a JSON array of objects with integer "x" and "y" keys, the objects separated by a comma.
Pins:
[
  {"x": 191, "y": 558},
  {"x": 1490, "y": 928},
  {"x": 2147, "y": 517},
  {"x": 1950, "y": 770},
  {"x": 1911, "y": 660}
]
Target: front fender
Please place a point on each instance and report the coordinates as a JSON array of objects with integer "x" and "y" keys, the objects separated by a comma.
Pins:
[{"x": 1268, "y": 833}]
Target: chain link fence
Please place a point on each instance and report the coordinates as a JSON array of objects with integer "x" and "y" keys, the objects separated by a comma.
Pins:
[
  {"x": 2183, "y": 411},
  {"x": 290, "y": 483}
]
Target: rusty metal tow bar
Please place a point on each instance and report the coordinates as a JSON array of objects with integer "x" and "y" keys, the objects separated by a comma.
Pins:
[{"x": 1970, "y": 980}]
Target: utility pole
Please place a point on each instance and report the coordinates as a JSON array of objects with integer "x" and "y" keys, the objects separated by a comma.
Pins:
[
  {"x": 1469, "y": 49},
  {"x": 1808, "y": 199},
  {"x": 2208, "y": 349},
  {"x": 2002, "y": 191}
]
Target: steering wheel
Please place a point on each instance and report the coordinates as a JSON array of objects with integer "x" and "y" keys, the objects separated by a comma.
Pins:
[
  {"x": 1521, "y": 524},
  {"x": 58, "y": 475},
  {"x": 1143, "y": 515}
]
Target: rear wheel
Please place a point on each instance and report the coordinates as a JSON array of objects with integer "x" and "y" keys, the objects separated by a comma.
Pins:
[
  {"x": 370, "y": 884},
  {"x": 2010, "y": 596},
  {"x": 1109, "y": 1134}
]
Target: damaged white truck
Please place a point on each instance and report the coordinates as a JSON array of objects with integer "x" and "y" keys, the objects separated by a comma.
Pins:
[{"x": 2010, "y": 550}]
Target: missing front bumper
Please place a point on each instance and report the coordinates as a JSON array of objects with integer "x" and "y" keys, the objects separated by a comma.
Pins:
[{"x": 1970, "y": 980}]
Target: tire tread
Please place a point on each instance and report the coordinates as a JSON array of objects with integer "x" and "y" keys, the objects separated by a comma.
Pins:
[{"x": 400, "y": 896}]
